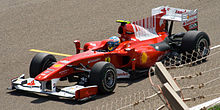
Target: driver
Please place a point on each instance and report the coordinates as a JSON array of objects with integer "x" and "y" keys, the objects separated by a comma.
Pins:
[{"x": 113, "y": 43}]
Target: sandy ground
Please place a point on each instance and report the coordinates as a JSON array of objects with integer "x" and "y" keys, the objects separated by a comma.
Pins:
[{"x": 52, "y": 25}]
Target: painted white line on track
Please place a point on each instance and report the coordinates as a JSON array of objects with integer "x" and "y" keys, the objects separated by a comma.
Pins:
[
  {"x": 214, "y": 47},
  {"x": 206, "y": 104}
]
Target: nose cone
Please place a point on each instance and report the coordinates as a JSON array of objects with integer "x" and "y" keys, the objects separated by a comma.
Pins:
[{"x": 51, "y": 73}]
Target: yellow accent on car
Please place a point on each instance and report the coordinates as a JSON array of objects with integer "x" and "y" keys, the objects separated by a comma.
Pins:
[
  {"x": 57, "y": 65},
  {"x": 110, "y": 48},
  {"x": 144, "y": 58},
  {"x": 123, "y": 21},
  {"x": 108, "y": 59}
]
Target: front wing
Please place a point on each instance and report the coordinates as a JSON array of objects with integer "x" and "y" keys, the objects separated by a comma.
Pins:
[{"x": 77, "y": 92}]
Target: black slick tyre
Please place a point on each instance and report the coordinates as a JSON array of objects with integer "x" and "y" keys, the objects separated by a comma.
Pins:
[
  {"x": 104, "y": 75},
  {"x": 195, "y": 41},
  {"x": 41, "y": 62}
]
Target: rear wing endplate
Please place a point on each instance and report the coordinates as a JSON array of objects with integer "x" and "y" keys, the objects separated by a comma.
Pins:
[{"x": 188, "y": 18}]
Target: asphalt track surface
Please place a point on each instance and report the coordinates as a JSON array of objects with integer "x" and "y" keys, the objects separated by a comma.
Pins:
[{"x": 53, "y": 25}]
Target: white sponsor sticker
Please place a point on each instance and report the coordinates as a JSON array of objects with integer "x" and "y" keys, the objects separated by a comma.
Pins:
[
  {"x": 95, "y": 60},
  {"x": 64, "y": 61}
]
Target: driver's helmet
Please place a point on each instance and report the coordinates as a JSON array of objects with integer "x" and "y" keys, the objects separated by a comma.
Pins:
[{"x": 113, "y": 42}]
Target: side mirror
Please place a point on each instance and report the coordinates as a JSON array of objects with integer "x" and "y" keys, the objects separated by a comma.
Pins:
[{"x": 77, "y": 44}]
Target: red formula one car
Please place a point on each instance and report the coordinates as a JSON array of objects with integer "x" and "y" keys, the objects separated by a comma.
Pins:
[{"x": 96, "y": 69}]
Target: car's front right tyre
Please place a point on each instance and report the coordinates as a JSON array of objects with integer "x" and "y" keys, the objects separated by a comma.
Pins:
[{"x": 103, "y": 74}]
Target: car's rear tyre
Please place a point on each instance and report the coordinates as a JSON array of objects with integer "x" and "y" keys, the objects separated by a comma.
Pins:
[
  {"x": 41, "y": 62},
  {"x": 197, "y": 42},
  {"x": 104, "y": 75}
]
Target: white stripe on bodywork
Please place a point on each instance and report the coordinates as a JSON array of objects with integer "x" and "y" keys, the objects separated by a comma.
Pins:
[
  {"x": 149, "y": 24},
  {"x": 122, "y": 74},
  {"x": 145, "y": 23},
  {"x": 147, "y": 19},
  {"x": 155, "y": 25},
  {"x": 143, "y": 34},
  {"x": 133, "y": 25},
  {"x": 142, "y": 23}
]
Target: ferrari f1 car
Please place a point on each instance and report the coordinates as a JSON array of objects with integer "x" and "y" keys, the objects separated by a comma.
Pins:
[{"x": 96, "y": 69}]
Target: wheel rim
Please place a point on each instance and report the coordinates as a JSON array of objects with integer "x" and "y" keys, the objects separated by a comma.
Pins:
[
  {"x": 109, "y": 79},
  {"x": 203, "y": 47}
]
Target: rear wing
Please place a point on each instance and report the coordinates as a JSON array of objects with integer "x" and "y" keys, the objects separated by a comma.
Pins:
[
  {"x": 160, "y": 15},
  {"x": 188, "y": 18}
]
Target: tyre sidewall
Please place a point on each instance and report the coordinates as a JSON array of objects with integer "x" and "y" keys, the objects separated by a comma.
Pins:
[
  {"x": 39, "y": 63},
  {"x": 191, "y": 40},
  {"x": 98, "y": 75},
  {"x": 106, "y": 68}
]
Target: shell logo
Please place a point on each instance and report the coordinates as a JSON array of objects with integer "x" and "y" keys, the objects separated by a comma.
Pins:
[
  {"x": 187, "y": 16},
  {"x": 144, "y": 58}
]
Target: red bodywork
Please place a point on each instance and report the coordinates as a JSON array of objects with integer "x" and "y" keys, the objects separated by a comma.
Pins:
[
  {"x": 143, "y": 43},
  {"x": 134, "y": 52}
]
